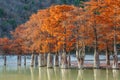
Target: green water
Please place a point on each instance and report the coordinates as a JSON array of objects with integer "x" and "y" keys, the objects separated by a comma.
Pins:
[{"x": 27, "y": 73}]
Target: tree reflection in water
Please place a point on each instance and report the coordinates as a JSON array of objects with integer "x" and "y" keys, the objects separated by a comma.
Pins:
[
  {"x": 107, "y": 74},
  {"x": 57, "y": 73},
  {"x": 80, "y": 74},
  {"x": 32, "y": 74},
  {"x": 42, "y": 73},
  {"x": 97, "y": 74},
  {"x": 116, "y": 74},
  {"x": 50, "y": 74},
  {"x": 65, "y": 74}
]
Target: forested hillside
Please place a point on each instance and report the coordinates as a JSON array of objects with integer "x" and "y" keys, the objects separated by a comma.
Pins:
[{"x": 16, "y": 12}]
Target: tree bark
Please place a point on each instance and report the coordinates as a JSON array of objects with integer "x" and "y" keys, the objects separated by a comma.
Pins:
[
  {"x": 115, "y": 56},
  {"x": 96, "y": 54},
  {"x": 19, "y": 60},
  {"x": 80, "y": 63},
  {"x": 49, "y": 60},
  {"x": 107, "y": 58},
  {"x": 32, "y": 60},
  {"x": 115, "y": 61},
  {"x": 80, "y": 58},
  {"x": 25, "y": 60},
  {"x": 41, "y": 60},
  {"x": 36, "y": 60},
  {"x": 56, "y": 60},
  {"x": 64, "y": 60},
  {"x": 45, "y": 59},
  {"x": 5, "y": 60},
  {"x": 69, "y": 59},
  {"x": 96, "y": 60}
]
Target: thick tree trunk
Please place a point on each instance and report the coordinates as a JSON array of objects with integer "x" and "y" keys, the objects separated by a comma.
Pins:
[
  {"x": 36, "y": 60},
  {"x": 115, "y": 56},
  {"x": 19, "y": 60},
  {"x": 56, "y": 60},
  {"x": 45, "y": 59},
  {"x": 80, "y": 58},
  {"x": 25, "y": 60},
  {"x": 115, "y": 61},
  {"x": 49, "y": 60},
  {"x": 64, "y": 60},
  {"x": 96, "y": 60},
  {"x": 69, "y": 60},
  {"x": 96, "y": 54},
  {"x": 80, "y": 63},
  {"x": 5, "y": 60},
  {"x": 41, "y": 60},
  {"x": 107, "y": 58},
  {"x": 32, "y": 60}
]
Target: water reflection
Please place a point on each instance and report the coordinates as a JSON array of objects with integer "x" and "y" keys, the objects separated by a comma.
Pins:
[
  {"x": 116, "y": 75},
  {"x": 97, "y": 74},
  {"x": 57, "y": 73},
  {"x": 50, "y": 74},
  {"x": 107, "y": 74},
  {"x": 32, "y": 74},
  {"x": 42, "y": 73},
  {"x": 64, "y": 74},
  {"x": 80, "y": 75}
]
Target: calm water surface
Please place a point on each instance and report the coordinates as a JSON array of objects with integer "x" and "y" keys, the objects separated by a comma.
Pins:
[{"x": 27, "y": 73}]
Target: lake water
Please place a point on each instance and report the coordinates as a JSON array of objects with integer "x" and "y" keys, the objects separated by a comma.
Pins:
[
  {"x": 12, "y": 72},
  {"x": 28, "y": 73}
]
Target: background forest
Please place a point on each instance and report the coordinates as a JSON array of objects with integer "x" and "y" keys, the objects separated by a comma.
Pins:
[{"x": 16, "y": 12}]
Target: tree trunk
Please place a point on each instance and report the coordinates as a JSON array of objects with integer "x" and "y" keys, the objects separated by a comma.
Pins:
[
  {"x": 32, "y": 60},
  {"x": 115, "y": 56},
  {"x": 19, "y": 60},
  {"x": 44, "y": 59},
  {"x": 5, "y": 60},
  {"x": 107, "y": 58},
  {"x": 36, "y": 60},
  {"x": 64, "y": 60},
  {"x": 69, "y": 60},
  {"x": 80, "y": 58},
  {"x": 49, "y": 60},
  {"x": 115, "y": 61},
  {"x": 96, "y": 60},
  {"x": 96, "y": 55},
  {"x": 41, "y": 60},
  {"x": 56, "y": 60},
  {"x": 80, "y": 63},
  {"x": 25, "y": 60}
]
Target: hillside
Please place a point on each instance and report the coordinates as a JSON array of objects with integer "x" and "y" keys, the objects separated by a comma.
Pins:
[{"x": 16, "y": 12}]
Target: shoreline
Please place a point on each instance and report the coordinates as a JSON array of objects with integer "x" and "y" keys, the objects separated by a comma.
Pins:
[{"x": 90, "y": 65}]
